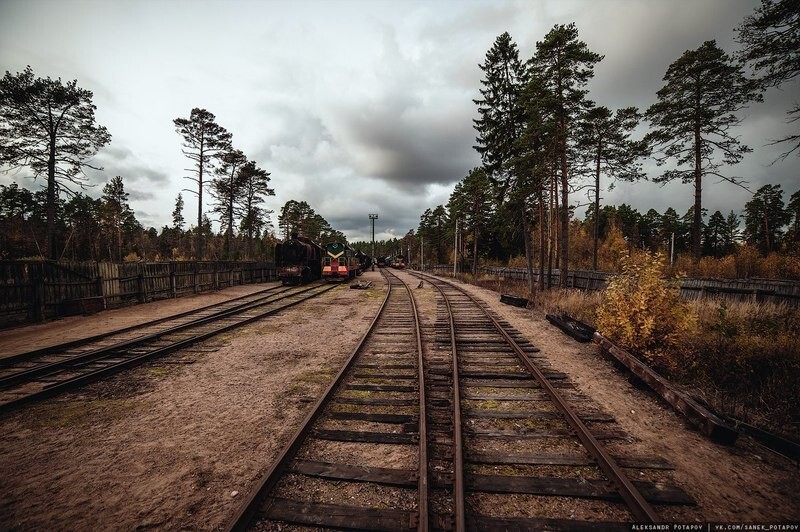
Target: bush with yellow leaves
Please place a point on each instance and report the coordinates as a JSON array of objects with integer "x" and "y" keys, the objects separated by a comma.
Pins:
[{"x": 643, "y": 313}]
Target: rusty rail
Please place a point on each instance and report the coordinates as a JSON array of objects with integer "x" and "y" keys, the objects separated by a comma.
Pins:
[{"x": 641, "y": 510}]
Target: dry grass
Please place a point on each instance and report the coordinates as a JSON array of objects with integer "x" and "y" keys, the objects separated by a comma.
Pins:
[{"x": 742, "y": 359}]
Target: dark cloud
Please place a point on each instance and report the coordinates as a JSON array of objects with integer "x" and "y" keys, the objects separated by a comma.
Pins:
[{"x": 138, "y": 178}]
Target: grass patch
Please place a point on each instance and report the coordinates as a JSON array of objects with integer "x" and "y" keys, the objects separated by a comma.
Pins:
[
  {"x": 61, "y": 414},
  {"x": 158, "y": 372},
  {"x": 322, "y": 376}
]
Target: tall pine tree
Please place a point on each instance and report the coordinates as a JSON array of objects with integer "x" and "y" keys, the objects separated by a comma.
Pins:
[
  {"x": 225, "y": 188},
  {"x": 203, "y": 140},
  {"x": 49, "y": 127},
  {"x": 604, "y": 144},
  {"x": 565, "y": 64},
  {"x": 693, "y": 121},
  {"x": 771, "y": 46}
]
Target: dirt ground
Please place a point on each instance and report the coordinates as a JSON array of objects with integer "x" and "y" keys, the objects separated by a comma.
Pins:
[{"x": 175, "y": 444}]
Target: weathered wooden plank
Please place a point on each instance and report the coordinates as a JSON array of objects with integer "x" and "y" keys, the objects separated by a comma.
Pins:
[
  {"x": 487, "y": 413},
  {"x": 339, "y": 516},
  {"x": 573, "y": 487},
  {"x": 489, "y": 457},
  {"x": 366, "y": 436},
  {"x": 707, "y": 422},
  {"x": 377, "y": 418},
  {"x": 360, "y": 473}
]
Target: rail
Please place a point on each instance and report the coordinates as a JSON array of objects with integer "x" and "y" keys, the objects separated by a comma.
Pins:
[
  {"x": 639, "y": 507},
  {"x": 26, "y": 378}
]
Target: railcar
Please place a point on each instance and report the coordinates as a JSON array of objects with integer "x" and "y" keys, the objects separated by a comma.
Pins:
[
  {"x": 364, "y": 261},
  {"x": 339, "y": 262},
  {"x": 298, "y": 260},
  {"x": 398, "y": 262}
]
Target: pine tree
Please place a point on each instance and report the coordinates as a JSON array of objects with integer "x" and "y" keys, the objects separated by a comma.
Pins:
[
  {"x": 203, "y": 140},
  {"x": 49, "y": 127},
  {"x": 225, "y": 188},
  {"x": 693, "y": 119},
  {"x": 433, "y": 228},
  {"x": 565, "y": 65},
  {"x": 605, "y": 147},
  {"x": 177, "y": 214},
  {"x": 470, "y": 202},
  {"x": 115, "y": 214},
  {"x": 764, "y": 217},
  {"x": 500, "y": 109},
  {"x": 500, "y": 128},
  {"x": 713, "y": 235},
  {"x": 771, "y": 46},
  {"x": 793, "y": 210},
  {"x": 731, "y": 234},
  {"x": 253, "y": 187}
]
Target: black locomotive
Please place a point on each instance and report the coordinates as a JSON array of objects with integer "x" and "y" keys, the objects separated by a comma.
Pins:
[{"x": 298, "y": 260}]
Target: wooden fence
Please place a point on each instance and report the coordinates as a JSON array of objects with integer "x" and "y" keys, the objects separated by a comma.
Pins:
[
  {"x": 36, "y": 290},
  {"x": 759, "y": 290}
]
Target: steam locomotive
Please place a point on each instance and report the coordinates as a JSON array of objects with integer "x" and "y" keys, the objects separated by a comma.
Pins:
[{"x": 298, "y": 260}]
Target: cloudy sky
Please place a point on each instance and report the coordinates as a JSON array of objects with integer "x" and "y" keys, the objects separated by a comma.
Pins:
[{"x": 360, "y": 106}]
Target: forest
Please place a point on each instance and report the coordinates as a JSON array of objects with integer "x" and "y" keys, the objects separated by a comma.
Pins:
[{"x": 541, "y": 140}]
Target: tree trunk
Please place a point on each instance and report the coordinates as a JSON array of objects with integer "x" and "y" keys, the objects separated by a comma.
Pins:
[
  {"x": 199, "y": 237},
  {"x": 596, "y": 209},
  {"x": 528, "y": 256},
  {"x": 550, "y": 231},
  {"x": 475, "y": 252},
  {"x": 52, "y": 252},
  {"x": 541, "y": 240},
  {"x": 697, "y": 220},
  {"x": 564, "y": 240}
]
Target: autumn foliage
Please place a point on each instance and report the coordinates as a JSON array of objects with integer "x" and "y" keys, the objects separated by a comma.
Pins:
[{"x": 642, "y": 312}]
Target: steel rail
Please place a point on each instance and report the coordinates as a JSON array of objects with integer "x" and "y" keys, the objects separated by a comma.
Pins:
[
  {"x": 642, "y": 510},
  {"x": 423, "y": 484},
  {"x": 100, "y": 352},
  {"x": 267, "y": 482},
  {"x": 79, "y": 380},
  {"x": 10, "y": 360},
  {"x": 459, "y": 493}
]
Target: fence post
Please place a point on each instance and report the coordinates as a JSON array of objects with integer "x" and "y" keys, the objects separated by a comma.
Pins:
[
  {"x": 215, "y": 277},
  {"x": 101, "y": 289},
  {"x": 196, "y": 277},
  {"x": 37, "y": 287},
  {"x": 142, "y": 289},
  {"x": 173, "y": 285}
]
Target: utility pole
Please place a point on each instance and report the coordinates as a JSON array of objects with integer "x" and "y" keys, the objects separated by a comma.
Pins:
[
  {"x": 455, "y": 249},
  {"x": 672, "y": 250},
  {"x": 372, "y": 218},
  {"x": 422, "y": 252}
]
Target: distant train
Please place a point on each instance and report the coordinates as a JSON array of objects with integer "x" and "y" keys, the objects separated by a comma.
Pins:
[
  {"x": 298, "y": 260},
  {"x": 398, "y": 262},
  {"x": 340, "y": 262}
]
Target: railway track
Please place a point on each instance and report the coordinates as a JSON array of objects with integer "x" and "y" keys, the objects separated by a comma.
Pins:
[
  {"x": 486, "y": 437},
  {"x": 534, "y": 450},
  {"x": 371, "y": 418},
  {"x": 34, "y": 375}
]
